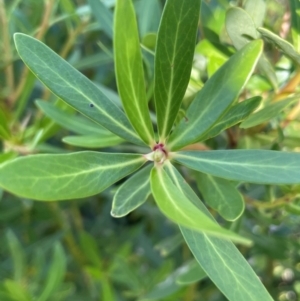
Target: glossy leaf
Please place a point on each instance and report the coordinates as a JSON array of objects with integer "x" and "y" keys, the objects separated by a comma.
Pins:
[
  {"x": 96, "y": 141},
  {"x": 175, "y": 205},
  {"x": 74, "y": 123},
  {"x": 270, "y": 111},
  {"x": 254, "y": 166},
  {"x": 129, "y": 70},
  {"x": 235, "y": 115},
  {"x": 221, "y": 195},
  {"x": 73, "y": 87},
  {"x": 103, "y": 16},
  {"x": 216, "y": 96},
  {"x": 66, "y": 176},
  {"x": 173, "y": 59},
  {"x": 133, "y": 193},
  {"x": 194, "y": 273},
  {"x": 219, "y": 258},
  {"x": 287, "y": 48},
  {"x": 56, "y": 273}
]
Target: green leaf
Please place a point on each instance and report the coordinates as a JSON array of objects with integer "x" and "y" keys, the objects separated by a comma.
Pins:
[
  {"x": 256, "y": 9},
  {"x": 95, "y": 141},
  {"x": 216, "y": 96},
  {"x": 133, "y": 193},
  {"x": 17, "y": 255},
  {"x": 241, "y": 28},
  {"x": 221, "y": 195},
  {"x": 73, "y": 87},
  {"x": 194, "y": 273},
  {"x": 55, "y": 274},
  {"x": 235, "y": 115},
  {"x": 66, "y": 176},
  {"x": 173, "y": 59},
  {"x": 129, "y": 70},
  {"x": 103, "y": 16},
  {"x": 174, "y": 204},
  {"x": 17, "y": 291},
  {"x": 287, "y": 48},
  {"x": 74, "y": 123},
  {"x": 219, "y": 258},
  {"x": 295, "y": 26},
  {"x": 254, "y": 166},
  {"x": 268, "y": 112},
  {"x": 4, "y": 129}
]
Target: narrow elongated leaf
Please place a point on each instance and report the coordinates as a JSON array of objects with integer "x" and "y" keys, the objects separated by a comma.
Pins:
[
  {"x": 220, "y": 259},
  {"x": 235, "y": 115},
  {"x": 221, "y": 195},
  {"x": 103, "y": 16},
  {"x": 175, "y": 205},
  {"x": 287, "y": 48},
  {"x": 66, "y": 176},
  {"x": 93, "y": 141},
  {"x": 74, "y": 123},
  {"x": 73, "y": 87},
  {"x": 268, "y": 112},
  {"x": 133, "y": 193},
  {"x": 216, "y": 96},
  {"x": 129, "y": 70},
  {"x": 173, "y": 59},
  {"x": 56, "y": 273},
  {"x": 254, "y": 166}
]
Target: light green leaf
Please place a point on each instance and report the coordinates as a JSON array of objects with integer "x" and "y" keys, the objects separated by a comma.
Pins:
[
  {"x": 95, "y": 141},
  {"x": 73, "y": 87},
  {"x": 74, "y": 123},
  {"x": 168, "y": 244},
  {"x": 221, "y": 195},
  {"x": 287, "y": 48},
  {"x": 175, "y": 205},
  {"x": 241, "y": 29},
  {"x": 256, "y": 9},
  {"x": 236, "y": 114},
  {"x": 295, "y": 26},
  {"x": 194, "y": 273},
  {"x": 133, "y": 193},
  {"x": 216, "y": 96},
  {"x": 66, "y": 176},
  {"x": 129, "y": 70},
  {"x": 254, "y": 166},
  {"x": 219, "y": 258},
  {"x": 268, "y": 112},
  {"x": 103, "y": 16},
  {"x": 55, "y": 274},
  {"x": 173, "y": 59},
  {"x": 17, "y": 291}
]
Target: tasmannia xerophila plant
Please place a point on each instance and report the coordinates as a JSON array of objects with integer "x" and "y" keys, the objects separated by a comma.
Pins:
[{"x": 53, "y": 177}]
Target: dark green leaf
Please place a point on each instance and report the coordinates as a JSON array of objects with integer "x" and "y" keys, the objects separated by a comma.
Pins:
[
  {"x": 216, "y": 96},
  {"x": 173, "y": 59},
  {"x": 254, "y": 166},
  {"x": 194, "y": 273},
  {"x": 73, "y": 87},
  {"x": 221, "y": 195}
]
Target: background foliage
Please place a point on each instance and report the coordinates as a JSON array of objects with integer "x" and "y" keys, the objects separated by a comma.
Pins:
[{"x": 75, "y": 250}]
